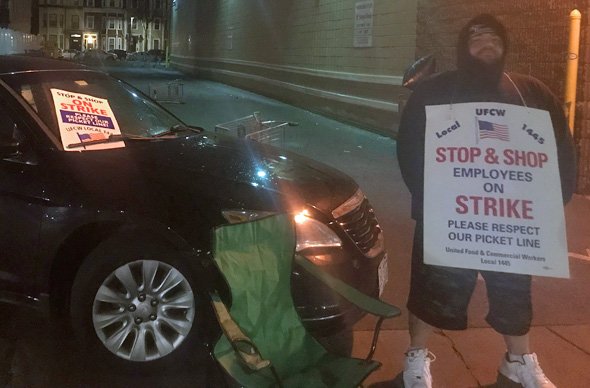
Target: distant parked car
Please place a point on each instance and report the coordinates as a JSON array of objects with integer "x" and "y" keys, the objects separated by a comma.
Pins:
[
  {"x": 158, "y": 55},
  {"x": 97, "y": 55},
  {"x": 121, "y": 54},
  {"x": 69, "y": 54},
  {"x": 140, "y": 56}
]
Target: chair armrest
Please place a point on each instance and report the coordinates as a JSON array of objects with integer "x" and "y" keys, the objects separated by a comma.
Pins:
[
  {"x": 243, "y": 346},
  {"x": 369, "y": 304}
]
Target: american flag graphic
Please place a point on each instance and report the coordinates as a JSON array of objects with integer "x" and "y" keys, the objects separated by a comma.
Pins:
[
  {"x": 91, "y": 136},
  {"x": 489, "y": 130}
]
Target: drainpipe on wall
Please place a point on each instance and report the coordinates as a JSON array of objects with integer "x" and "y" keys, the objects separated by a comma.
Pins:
[{"x": 571, "y": 77}]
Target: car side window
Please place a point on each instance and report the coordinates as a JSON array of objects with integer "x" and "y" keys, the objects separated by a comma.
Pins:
[
  {"x": 13, "y": 144},
  {"x": 8, "y": 128}
]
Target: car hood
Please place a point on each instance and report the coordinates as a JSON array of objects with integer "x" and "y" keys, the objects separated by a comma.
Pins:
[{"x": 225, "y": 171}]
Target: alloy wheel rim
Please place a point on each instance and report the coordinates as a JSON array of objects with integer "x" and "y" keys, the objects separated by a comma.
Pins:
[{"x": 143, "y": 310}]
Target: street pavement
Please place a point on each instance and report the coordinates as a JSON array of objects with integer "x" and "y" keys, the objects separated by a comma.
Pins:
[{"x": 32, "y": 356}]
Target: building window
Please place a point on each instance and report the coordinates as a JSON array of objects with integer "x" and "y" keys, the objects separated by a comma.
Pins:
[
  {"x": 133, "y": 23},
  {"x": 77, "y": 2},
  {"x": 111, "y": 23},
  {"x": 90, "y": 21},
  {"x": 89, "y": 3},
  {"x": 44, "y": 20},
  {"x": 157, "y": 4},
  {"x": 75, "y": 22},
  {"x": 156, "y": 24},
  {"x": 61, "y": 21},
  {"x": 53, "y": 20},
  {"x": 156, "y": 44}
]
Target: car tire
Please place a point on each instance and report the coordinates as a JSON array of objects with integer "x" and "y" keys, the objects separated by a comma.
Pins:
[{"x": 122, "y": 320}]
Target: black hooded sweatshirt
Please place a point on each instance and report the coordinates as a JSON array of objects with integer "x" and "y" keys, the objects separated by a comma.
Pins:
[{"x": 474, "y": 81}]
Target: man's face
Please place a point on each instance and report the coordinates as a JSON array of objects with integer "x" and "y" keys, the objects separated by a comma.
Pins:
[{"x": 487, "y": 47}]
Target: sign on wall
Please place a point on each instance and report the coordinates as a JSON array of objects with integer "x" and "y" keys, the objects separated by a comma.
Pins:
[
  {"x": 363, "y": 24},
  {"x": 492, "y": 192}
]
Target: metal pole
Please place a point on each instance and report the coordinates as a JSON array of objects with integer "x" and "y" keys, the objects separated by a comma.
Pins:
[{"x": 571, "y": 78}]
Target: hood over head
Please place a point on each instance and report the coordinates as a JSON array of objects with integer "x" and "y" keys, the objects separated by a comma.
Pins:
[{"x": 485, "y": 73}]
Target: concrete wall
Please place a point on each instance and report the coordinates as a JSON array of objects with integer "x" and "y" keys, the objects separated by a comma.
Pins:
[
  {"x": 538, "y": 31},
  {"x": 301, "y": 52}
]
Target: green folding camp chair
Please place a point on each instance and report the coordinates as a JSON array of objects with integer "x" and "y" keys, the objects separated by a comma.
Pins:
[{"x": 264, "y": 342}]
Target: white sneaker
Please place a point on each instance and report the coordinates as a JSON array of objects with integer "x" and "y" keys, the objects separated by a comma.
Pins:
[
  {"x": 417, "y": 369},
  {"x": 526, "y": 372}
]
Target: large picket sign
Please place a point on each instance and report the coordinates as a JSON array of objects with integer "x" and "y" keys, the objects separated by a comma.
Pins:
[{"x": 492, "y": 193}]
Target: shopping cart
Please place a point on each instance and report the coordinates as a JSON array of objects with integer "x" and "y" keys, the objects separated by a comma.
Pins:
[
  {"x": 252, "y": 127},
  {"x": 172, "y": 92}
]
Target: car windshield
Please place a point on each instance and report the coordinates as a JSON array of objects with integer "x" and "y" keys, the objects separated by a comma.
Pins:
[{"x": 76, "y": 94}]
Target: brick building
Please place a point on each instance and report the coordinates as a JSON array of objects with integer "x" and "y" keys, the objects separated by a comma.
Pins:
[
  {"x": 538, "y": 31},
  {"x": 346, "y": 58}
]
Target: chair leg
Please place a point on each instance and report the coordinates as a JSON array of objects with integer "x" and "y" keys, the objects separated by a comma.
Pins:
[
  {"x": 276, "y": 375},
  {"x": 375, "y": 338}
]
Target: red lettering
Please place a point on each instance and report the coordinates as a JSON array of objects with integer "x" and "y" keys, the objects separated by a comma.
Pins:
[
  {"x": 463, "y": 208},
  {"x": 527, "y": 209},
  {"x": 457, "y": 154},
  {"x": 496, "y": 207},
  {"x": 542, "y": 159},
  {"x": 525, "y": 158},
  {"x": 440, "y": 152}
]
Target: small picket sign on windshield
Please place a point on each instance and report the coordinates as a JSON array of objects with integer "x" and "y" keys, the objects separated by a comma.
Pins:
[
  {"x": 492, "y": 192},
  {"x": 85, "y": 122}
]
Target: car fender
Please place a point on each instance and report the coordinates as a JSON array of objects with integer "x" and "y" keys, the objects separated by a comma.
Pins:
[{"x": 141, "y": 239}]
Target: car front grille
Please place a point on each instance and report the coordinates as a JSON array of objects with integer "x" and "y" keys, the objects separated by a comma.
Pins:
[{"x": 357, "y": 217}]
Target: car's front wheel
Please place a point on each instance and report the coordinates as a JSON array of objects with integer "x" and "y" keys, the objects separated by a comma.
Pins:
[{"x": 135, "y": 313}]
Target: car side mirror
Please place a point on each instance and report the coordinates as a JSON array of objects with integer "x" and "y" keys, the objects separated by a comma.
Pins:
[
  {"x": 10, "y": 140},
  {"x": 8, "y": 147},
  {"x": 418, "y": 71}
]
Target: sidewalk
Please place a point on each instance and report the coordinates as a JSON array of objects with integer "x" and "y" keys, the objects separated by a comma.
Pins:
[{"x": 561, "y": 325}]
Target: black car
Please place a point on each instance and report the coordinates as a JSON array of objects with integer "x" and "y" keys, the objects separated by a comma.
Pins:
[
  {"x": 107, "y": 204},
  {"x": 121, "y": 54},
  {"x": 158, "y": 55}
]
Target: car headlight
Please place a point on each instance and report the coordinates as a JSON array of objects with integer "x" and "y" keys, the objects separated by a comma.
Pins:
[
  {"x": 313, "y": 234},
  {"x": 310, "y": 232}
]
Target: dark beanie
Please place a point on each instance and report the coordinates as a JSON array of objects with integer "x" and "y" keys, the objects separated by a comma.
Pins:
[{"x": 476, "y": 25}]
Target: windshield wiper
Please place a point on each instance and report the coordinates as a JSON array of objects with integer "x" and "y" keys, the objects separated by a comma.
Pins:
[
  {"x": 179, "y": 128},
  {"x": 110, "y": 139}
]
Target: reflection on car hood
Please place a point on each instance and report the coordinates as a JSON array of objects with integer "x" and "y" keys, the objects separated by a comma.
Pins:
[
  {"x": 211, "y": 165},
  {"x": 248, "y": 162}
]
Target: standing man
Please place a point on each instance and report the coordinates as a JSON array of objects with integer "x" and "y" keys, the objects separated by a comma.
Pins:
[{"x": 439, "y": 296}]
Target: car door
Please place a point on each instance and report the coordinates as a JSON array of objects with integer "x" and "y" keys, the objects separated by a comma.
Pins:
[{"x": 21, "y": 205}]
